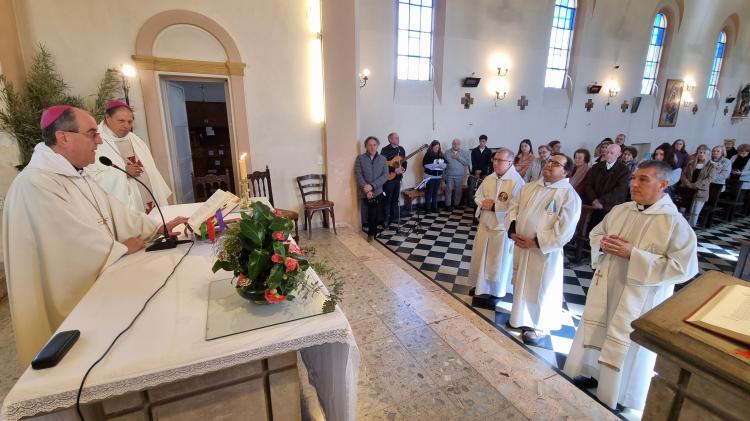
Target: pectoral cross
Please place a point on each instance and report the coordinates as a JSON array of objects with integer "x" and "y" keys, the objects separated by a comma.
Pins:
[
  {"x": 103, "y": 220},
  {"x": 467, "y": 100},
  {"x": 598, "y": 276},
  {"x": 589, "y": 105}
]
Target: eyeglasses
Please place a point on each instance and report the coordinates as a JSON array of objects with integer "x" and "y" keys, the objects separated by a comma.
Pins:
[
  {"x": 554, "y": 163},
  {"x": 91, "y": 134},
  {"x": 502, "y": 160}
]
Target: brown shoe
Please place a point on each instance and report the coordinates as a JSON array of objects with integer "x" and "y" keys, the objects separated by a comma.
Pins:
[{"x": 531, "y": 337}]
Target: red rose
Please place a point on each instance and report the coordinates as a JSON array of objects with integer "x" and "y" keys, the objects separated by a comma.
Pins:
[
  {"x": 276, "y": 258},
  {"x": 273, "y": 297},
  {"x": 279, "y": 213},
  {"x": 279, "y": 235},
  {"x": 291, "y": 264}
]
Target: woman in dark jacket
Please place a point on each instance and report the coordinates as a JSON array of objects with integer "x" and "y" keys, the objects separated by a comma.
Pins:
[
  {"x": 371, "y": 170},
  {"x": 433, "y": 157}
]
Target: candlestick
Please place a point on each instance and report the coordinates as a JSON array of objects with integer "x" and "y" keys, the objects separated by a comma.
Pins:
[{"x": 243, "y": 183}]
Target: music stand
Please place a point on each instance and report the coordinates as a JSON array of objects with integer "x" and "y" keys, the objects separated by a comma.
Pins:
[{"x": 417, "y": 225}]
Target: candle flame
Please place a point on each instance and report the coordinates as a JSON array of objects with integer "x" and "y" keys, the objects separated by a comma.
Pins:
[{"x": 242, "y": 157}]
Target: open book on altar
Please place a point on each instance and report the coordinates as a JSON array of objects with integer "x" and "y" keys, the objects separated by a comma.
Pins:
[
  {"x": 221, "y": 199},
  {"x": 726, "y": 313}
]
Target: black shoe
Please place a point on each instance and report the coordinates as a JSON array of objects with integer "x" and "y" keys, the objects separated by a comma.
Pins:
[
  {"x": 510, "y": 326},
  {"x": 485, "y": 301},
  {"x": 583, "y": 382},
  {"x": 370, "y": 238},
  {"x": 472, "y": 291}
]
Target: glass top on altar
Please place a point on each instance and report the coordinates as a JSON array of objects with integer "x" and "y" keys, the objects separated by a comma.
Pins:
[{"x": 230, "y": 314}]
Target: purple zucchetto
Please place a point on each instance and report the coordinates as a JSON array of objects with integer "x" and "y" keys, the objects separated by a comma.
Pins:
[
  {"x": 51, "y": 114},
  {"x": 116, "y": 104}
]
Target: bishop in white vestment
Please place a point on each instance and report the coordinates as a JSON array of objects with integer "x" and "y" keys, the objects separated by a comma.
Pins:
[
  {"x": 639, "y": 251},
  {"x": 128, "y": 152},
  {"x": 541, "y": 220},
  {"x": 60, "y": 229},
  {"x": 492, "y": 253}
]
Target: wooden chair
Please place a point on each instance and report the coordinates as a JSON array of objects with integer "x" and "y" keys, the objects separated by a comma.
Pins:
[
  {"x": 732, "y": 198},
  {"x": 685, "y": 198},
  {"x": 581, "y": 237},
  {"x": 204, "y": 186},
  {"x": 315, "y": 185},
  {"x": 259, "y": 185},
  {"x": 714, "y": 191}
]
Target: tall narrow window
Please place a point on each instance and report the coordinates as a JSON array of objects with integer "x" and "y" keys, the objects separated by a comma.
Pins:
[
  {"x": 653, "y": 56},
  {"x": 414, "y": 39},
  {"x": 713, "y": 79},
  {"x": 560, "y": 40}
]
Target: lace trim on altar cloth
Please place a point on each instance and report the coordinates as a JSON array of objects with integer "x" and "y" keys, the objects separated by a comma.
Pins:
[{"x": 37, "y": 406}]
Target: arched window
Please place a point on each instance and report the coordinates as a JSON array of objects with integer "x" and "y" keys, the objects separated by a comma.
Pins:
[
  {"x": 653, "y": 56},
  {"x": 713, "y": 79},
  {"x": 560, "y": 41},
  {"x": 414, "y": 40}
]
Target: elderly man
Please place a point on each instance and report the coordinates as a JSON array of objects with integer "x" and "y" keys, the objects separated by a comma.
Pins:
[
  {"x": 537, "y": 166},
  {"x": 620, "y": 140},
  {"x": 639, "y": 251},
  {"x": 61, "y": 230},
  {"x": 129, "y": 152},
  {"x": 392, "y": 187},
  {"x": 492, "y": 255},
  {"x": 606, "y": 184},
  {"x": 458, "y": 161},
  {"x": 541, "y": 220},
  {"x": 371, "y": 172}
]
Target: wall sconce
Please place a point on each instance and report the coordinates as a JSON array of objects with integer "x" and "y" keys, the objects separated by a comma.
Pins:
[
  {"x": 501, "y": 63},
  {"x": 127, "y": 71},
  {"x": 687, "y": 100},
  {"x": 502, "y": 71},
  {"x": 689, "y": 84},
  {"x": 499, "y": 87},
  {"x": 612, "y": 89},
  {"x": 364, "y": 77}
]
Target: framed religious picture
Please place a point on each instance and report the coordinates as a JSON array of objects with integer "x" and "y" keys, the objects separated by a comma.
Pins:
[
  {"x": 670, "y": 105},
  {"x": 742, "y": 109}
]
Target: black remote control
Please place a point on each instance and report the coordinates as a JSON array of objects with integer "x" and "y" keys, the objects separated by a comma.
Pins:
[{"x": 55, "y": 349}]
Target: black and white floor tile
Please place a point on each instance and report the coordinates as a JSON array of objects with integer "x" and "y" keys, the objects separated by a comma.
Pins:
[{"x": 439, "y": 245}]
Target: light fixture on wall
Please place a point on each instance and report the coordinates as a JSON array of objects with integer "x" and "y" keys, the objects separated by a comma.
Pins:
[
  {"x": 612, "y": 89},
  {"x": 127, "y": 71},
  {"x": 499, "y": 87},
  {"x": 501, "y": 63},
  {"x": 689, "y": 84},
  {"x": 364, "y": 77},
  {"x": 687, "y": 100}
]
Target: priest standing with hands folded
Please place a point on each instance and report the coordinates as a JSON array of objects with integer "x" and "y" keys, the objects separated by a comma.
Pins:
[{"x": 61, "y": 230}]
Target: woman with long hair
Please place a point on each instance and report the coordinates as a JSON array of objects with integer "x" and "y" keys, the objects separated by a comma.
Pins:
[
  {"x": 664, "y": 152},
  {"x": 524, "y": 157},
  {"x": 581, "y": 158},
  {"x": 698, "y": 175},
  {"x": 371, "y": 171},
  {"x": 680, "y": 153},
  {"x": 434, "y": 159}
]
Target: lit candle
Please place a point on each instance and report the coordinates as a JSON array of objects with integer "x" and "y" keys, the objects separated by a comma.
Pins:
[
  {"x": 243, "y": 182},
  {"x": 243, "y": 168}
]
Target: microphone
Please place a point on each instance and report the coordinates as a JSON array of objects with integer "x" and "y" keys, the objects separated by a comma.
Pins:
[{"x": 164, "y": 242}]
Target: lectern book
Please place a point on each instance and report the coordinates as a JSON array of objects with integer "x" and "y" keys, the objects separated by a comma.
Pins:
[
  {"x": 221, "y": 199},
  {"x": 726, "y": 312}
]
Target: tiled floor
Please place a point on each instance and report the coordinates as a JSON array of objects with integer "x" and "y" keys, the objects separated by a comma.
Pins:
[{"x": 440, "y": 246}]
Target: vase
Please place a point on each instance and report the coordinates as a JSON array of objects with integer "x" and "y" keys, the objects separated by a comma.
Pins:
[{"x": 256, "y": 296}]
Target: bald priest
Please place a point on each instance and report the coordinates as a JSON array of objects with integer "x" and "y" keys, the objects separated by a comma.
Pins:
[{"x": 61, "y": 230}]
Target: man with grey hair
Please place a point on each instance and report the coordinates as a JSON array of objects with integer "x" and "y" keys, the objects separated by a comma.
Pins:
[
  {"x": 639, "y": 252},
  {"x": 620, "y": 140},
  {"x": 492, "y": 253},
  {"x": 392, "y": 187},
  {"x": 61, "y": 230},
  {"x": 458, "y": 161},
  {"x": 606, "y": 184}
]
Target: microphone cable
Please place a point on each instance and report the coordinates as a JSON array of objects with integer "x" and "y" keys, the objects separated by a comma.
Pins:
[{"x": 83, "y": 381}]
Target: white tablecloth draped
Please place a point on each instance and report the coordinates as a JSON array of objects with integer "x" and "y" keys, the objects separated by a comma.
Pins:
[{"x": 167, "y": 343}]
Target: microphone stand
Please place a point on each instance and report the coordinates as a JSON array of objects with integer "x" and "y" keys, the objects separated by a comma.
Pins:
[{"x": 163, "y": 242}]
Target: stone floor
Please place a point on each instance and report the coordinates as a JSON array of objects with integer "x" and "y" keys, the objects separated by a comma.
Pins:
[{"x": 424, "y": 354}]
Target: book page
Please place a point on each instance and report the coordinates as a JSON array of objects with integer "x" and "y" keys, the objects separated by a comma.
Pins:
[
  {"x": 729, "y": 310},
  {"x": 221, "y": 199}
]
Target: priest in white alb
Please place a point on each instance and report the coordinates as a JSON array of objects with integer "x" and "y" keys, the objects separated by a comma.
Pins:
[
  {"x": 128, "y": 152},
  {"x": 541, "y": 220},
  {"x": 60, "y": 229},
  {"x": 639, "y": 252},
  {"x": 492, "y": 253}
]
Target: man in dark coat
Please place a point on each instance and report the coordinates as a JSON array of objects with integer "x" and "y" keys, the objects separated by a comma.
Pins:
[
  {"x": 392, "y": 188},
  {"x": 607, "y": 184}
]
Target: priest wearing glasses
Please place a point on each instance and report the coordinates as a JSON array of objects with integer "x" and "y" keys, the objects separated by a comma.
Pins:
[{"x": 61, "y": 230}]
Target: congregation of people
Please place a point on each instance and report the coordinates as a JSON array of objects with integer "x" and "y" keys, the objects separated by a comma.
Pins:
[{"x": 528, "y": 206}]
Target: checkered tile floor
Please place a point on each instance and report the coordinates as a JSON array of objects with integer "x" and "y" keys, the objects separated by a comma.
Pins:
[{"x": 439, "y": 245}]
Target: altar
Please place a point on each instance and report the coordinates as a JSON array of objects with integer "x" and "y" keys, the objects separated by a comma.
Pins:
[{"x": 167, "y": 345}]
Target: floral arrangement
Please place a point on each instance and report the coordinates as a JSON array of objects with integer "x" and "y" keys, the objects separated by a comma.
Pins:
[{"x": 266, "y": 264}]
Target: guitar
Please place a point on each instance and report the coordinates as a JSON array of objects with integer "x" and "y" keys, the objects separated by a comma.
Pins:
[{"x": 400, "y": 161}]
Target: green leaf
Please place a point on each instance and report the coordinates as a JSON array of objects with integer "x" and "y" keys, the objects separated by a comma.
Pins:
[
  {"x": 281, "y": 224},
  {"x": 257, "y": 263},
  {"x": 279, "y": 249},
  {"x": 275, "y": 277},
  {"x": 262, "y": 213},
  {"x": 253, "y": 231},
  {"x": 218, "y": 265}
]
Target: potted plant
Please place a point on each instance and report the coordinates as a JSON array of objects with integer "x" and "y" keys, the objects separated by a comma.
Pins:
[{"x": 268, "y": 266}]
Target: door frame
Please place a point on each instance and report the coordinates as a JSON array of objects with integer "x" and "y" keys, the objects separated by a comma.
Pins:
[{"x": 164, "y": 77}]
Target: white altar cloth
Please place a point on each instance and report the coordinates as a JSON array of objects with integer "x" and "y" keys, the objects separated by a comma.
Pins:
[{"x": 167, "y": 343}]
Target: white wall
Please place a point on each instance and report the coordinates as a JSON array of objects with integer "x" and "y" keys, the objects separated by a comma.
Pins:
[
  {"x": 86, "y": 36},
  {"x": 616, "y": 32}
]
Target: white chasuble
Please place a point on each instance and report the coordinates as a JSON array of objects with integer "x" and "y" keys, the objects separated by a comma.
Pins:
[
  {"x": 492, "y": 253},
  {"x": 664, "y": 254},
  {"x": 118, "y": 184},
  {"x": 549, "y": 214},
  {"x": 60, "y": 230}
]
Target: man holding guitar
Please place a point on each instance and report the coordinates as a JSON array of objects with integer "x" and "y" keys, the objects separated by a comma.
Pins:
[{"x": 396, "y": 157}]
